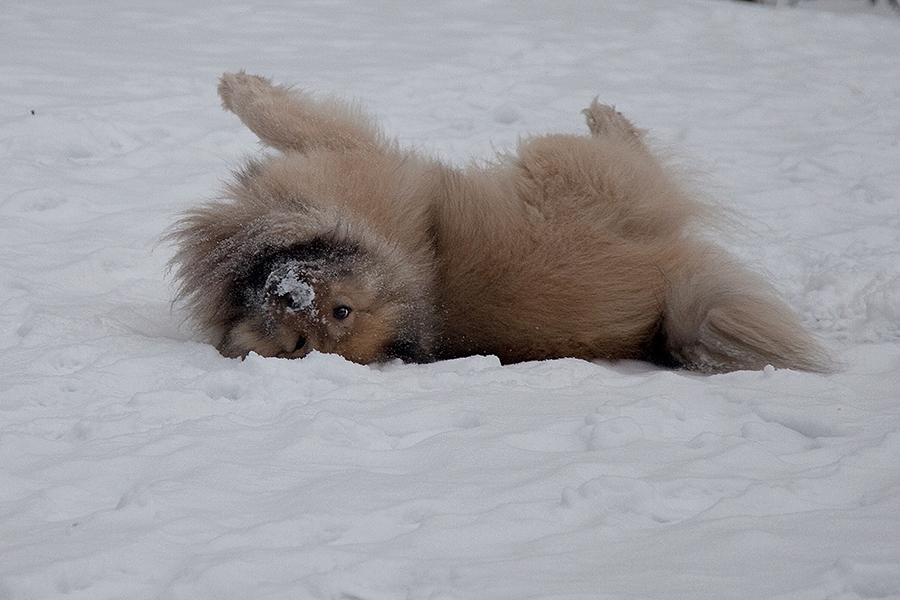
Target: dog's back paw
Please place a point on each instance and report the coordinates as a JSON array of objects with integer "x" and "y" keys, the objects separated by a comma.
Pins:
[{"x": 604, "y": 120}]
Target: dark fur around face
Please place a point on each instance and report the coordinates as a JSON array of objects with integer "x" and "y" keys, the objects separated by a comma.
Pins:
[
  {"x": 578, "y": 246},
  {"x": 313, "y": 296},
  {"x": 275, "y": 274}
]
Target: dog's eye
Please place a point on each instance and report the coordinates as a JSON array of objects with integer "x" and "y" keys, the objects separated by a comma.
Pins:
[{"x": 341, "y": 312}]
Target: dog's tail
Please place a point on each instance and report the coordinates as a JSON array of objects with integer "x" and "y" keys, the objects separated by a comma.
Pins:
[{"x": 721, "y": 317}]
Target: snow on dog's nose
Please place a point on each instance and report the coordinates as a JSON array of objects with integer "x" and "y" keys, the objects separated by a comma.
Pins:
[{"x": 284, "y": 282}]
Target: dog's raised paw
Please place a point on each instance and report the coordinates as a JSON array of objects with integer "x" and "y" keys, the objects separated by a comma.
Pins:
[
  {"x": 604, "y": 120},
  {"x": 240, "y": 89}
]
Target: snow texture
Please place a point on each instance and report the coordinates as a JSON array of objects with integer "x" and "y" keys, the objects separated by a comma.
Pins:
[{"x": 138, "y": 463}]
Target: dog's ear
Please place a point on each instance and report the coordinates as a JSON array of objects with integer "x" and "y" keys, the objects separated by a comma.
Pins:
[{"x": 289, "y": 120}]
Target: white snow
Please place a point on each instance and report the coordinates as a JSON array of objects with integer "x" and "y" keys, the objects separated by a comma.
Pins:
[{"x": 136, "y": 462}]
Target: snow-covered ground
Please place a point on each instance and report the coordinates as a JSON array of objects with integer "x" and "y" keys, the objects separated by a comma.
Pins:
[{"x": 137, "y": 463}]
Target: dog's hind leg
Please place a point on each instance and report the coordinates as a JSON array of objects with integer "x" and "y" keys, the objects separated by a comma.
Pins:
[
  {"x": 289, "y": 120},
  {"x": 604, "y": 120}
]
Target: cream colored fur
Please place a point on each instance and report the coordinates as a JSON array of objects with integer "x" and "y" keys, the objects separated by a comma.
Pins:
[{"x": 580, "y": 246}]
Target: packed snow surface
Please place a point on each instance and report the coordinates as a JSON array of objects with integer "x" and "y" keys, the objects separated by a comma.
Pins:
[{"x": 138, "y": 463}]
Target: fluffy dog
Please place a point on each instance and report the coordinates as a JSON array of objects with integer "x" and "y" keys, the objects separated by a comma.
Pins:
[{"x": 579, "y": 246}]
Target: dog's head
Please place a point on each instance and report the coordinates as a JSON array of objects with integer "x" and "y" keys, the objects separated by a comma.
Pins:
[{"x": 333, "y": 298}]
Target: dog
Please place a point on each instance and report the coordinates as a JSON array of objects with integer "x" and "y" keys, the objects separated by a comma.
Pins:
[{"x": 585, "y": 246}]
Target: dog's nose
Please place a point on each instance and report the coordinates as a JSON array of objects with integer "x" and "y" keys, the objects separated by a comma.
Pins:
[{"x": 299, "y": 349}]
